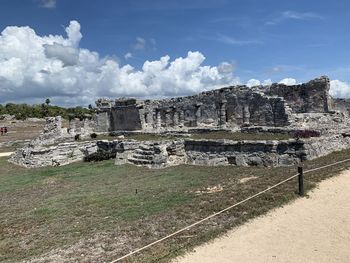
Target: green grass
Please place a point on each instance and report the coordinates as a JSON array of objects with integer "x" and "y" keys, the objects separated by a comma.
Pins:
[
  {"x": 239, "y": 136},
  {"x": 54, "y": 208},
  {"x": 215, "y": 135}
]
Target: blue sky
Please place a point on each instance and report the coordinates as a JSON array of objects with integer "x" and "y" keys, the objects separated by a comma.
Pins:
[{"x": 262, "y": 40}]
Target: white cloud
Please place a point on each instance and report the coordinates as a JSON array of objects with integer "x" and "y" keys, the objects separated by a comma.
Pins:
[
  {"x": 237, "y": 42},
  {"x": 256, "y": 82},
  {"x": 339, "y": 89},
  {"x": 34, "y": 67},
  {"x": 48, "y": 3},
  {"x": 300, "y": 16},
  {"x": 128, "y": 55},
  {"x": 140, "y": 43},
  {"x": 267, "y": 82},
  {"x": 253, "y": 82},
  {"x": 288, "y": 81},
  {"x": 68, "y": 55},
  {"x": 292, "y": 15}
]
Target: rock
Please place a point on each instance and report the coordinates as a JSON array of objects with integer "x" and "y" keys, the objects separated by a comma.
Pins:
[{"x": 7, "y": 117}]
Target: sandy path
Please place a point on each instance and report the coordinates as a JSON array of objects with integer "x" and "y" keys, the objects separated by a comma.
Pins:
[
  {"x": 5, "y": 154},
  {"x": 315, "y": 229}
]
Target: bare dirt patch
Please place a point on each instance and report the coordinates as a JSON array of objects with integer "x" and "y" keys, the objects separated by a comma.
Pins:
[
  {"x": 246, "y": 179},
  {"x": 210, "y": 190},
  {"x": 5, "y": 154},
  {"x": 21, "y": 130}
]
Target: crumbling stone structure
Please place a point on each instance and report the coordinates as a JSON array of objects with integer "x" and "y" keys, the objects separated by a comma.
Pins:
[
  {"x": 274, "y": 109},
  {"x": 84, "y": 127},
  {"x": 230, "y": 107}
]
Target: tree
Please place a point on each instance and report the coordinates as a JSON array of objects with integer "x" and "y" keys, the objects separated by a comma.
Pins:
[{"x": 47, "y": 101}]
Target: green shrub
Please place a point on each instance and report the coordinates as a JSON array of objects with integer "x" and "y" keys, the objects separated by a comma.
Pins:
[{"x": 100, "y": 155}]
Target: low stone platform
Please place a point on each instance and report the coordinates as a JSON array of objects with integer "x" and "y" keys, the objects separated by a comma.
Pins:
[{"x": 161, "y": 154}]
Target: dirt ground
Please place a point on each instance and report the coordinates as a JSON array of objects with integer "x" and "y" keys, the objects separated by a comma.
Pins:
[
  {"x": 5, "y": 154},
  {"x": 21, "y": 130},
  {"x": 311, "y": 229}
]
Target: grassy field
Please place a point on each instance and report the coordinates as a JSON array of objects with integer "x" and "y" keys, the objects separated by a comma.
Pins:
[
  {"x": 95, "y": 212},
  {"x": 214, "y": 135},
  {"x": 239, "y": 136}
]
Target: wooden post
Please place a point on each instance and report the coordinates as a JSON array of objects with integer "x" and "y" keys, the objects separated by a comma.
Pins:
[{"x": 301, "y": 181}]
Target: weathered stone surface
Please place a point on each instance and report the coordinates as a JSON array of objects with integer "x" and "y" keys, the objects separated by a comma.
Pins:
[
  {"x": 84, "y": 127},
  {"x": 229, "y": 107},
  {"x": 160, "y": 154},
  {"x": 312, "y": 96},
  {"x": 241, "y": 153},
  {"x": 51, "y": 133},
  {"x": 327, "y": 123},
  {"x": 153, "y": 154},
  {"x": 61, "y": 154},
  {"x": 317, "y": 147}
]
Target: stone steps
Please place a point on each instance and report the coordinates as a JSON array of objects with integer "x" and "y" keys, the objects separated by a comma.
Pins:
[
  {"x": 142, "y": 157},
  {"x": 146, "y": 147},
  {"x": 144, "y": 152},
  {"x": 140, "y": 161}
]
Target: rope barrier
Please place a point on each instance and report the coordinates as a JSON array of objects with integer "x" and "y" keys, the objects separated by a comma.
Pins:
[{"x": 222, "y": 211}]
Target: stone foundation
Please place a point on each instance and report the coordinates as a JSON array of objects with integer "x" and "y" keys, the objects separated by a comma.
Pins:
[
  {"x": 161, "y": 154},
  {"x": 61, "y": 154}
]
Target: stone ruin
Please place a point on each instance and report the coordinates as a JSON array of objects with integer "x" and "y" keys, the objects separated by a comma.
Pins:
[
  {"x": 229, "y": 107},
  {"x": 276, "y": 108}
]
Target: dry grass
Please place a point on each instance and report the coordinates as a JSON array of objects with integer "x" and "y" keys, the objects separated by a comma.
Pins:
[
  {"x": 21, "y": 130},
  {"x": 239, "y": 136},
  {"x": 214, "y": 135},
  {"x": 92, "y": 209}
]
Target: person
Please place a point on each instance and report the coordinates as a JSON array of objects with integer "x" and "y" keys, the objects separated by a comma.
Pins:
[
  {"x": 2, "y": 130},
  {"x": 5, "y": 130}
]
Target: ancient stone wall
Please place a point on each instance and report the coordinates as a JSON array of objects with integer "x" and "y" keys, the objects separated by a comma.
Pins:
[
  {"x": 84, "y": 126},
  {"x": 317, "y": 147},
  {"x": 342, "y": 105},
  {"x": 103, "y": 121},
  {"x": 230, "y": 107},
  {"x": 243, "y": 153},
  {"x": 224, "y": 108},
  {"x": 51, "y": 133},
  {"x": 312, "y": 96},
  {"x": 125, "y": 116}
]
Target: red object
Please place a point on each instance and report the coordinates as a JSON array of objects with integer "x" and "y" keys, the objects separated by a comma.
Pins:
[{"x": 3, "y": 130}]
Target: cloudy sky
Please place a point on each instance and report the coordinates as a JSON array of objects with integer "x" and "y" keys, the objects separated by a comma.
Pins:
[{"x": 76, "y": 51}]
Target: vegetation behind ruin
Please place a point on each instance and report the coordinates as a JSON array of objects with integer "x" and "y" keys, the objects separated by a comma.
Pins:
[{"x": 24, "y": 111}]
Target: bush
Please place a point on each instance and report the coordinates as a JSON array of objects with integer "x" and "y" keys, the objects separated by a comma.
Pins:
[
  {"x": 77, "y": 137},
  {"x": 93, "y": 135},
  {"x": 100, "y": 155},
  {"x": 306, "y": 134},
  {"x": 24, "y": 111}
]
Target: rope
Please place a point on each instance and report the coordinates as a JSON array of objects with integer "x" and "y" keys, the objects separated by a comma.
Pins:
[
  {"x": 325, "y": 166},
  {"x": 222, "y": 211}
]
